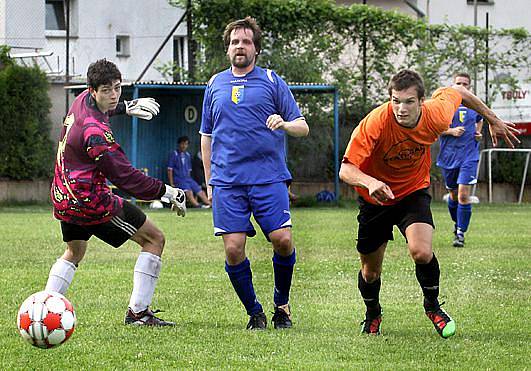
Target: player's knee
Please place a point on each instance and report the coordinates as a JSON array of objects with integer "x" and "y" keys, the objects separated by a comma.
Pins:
[
  {"x": 157, "y": 240},
  {"x": 371, "y": 274},
  {"x": 421, "y": 256},
  {"x": 282, "y": 245},
  {"x": 233, "y": 252},
  {"x": 463, "y": 199}
]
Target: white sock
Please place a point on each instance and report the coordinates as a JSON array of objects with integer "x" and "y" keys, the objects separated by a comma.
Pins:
[
  {"x": 147, "y": 269},
  {"x": 61, "y": 275}
]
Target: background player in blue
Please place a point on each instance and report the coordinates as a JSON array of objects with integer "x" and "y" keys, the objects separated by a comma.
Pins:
[
  {"x": 180, "y": 172},
  {"x": 458, "y": 160},
  {"x": 247, "y": 111}
]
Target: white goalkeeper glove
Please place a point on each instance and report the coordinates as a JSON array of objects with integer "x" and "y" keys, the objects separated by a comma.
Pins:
[
  {"x": 177, "y": 198},
  {"x": 143, "y": 108}
]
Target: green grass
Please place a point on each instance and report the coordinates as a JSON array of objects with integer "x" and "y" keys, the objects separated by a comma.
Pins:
[{"x": 486, "y": 286}]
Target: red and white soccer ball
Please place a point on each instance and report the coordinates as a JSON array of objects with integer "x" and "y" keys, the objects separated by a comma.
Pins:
[{"x": 46, "y": 319}]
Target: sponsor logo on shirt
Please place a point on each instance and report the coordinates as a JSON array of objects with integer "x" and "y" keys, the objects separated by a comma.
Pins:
[
  {"x": 404, "y": 154},
  {"x": 237, "y": 94}
]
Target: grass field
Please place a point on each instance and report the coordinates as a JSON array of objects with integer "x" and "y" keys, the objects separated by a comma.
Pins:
[{"x": 486, "y": 287}]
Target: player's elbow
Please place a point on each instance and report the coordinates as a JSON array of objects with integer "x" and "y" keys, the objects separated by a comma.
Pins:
[
  {"x": 343, "y": 172},
  {"x": 304, "y": 129}
]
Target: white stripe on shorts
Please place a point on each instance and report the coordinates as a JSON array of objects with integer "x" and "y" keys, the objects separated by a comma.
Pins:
[{"x": 124, "y": 226}]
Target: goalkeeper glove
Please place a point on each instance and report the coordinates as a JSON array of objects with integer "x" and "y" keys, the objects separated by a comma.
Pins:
[
  {"x": 177, "y": 198},
  {"x": 143, "y": 108}
]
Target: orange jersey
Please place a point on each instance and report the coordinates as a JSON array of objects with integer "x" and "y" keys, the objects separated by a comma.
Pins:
[{"x": 399, "y": 156}]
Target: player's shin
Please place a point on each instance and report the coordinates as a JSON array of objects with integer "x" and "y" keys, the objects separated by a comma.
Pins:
[
  {"x": 283, "y": 268},
  {"x": 370, "y": 292},
  {"x": 452, "y": 209},
  {"x": 61, "y": 275},
  {"x": 146, "y": 274},
  {"x": 242, "y": 280},
  {"x": 428, "y": 276},
  {"x": 464, "y": 213}
]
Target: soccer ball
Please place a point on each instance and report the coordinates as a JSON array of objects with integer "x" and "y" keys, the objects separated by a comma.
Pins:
[{"x": 46, "y": 319}]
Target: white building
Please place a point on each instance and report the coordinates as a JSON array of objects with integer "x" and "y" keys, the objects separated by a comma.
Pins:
[{"x": 127, "y": 32}]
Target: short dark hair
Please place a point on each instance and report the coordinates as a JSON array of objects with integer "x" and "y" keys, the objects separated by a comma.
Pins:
[
  {"x": 404, "y": 80},
  {"x": 463, "y": 74},
  {"x": 248, "y": 23},
  {"x": 102, "y": 72},
  {"x": 184, "y": 138}
]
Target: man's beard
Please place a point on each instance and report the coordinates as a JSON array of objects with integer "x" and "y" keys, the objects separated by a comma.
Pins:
[{"x": 245, "y": 62}]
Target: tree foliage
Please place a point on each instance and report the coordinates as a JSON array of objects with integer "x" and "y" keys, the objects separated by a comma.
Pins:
[
  {"x": 320, "y": 42},
  {"x": 26, "y": 151}
]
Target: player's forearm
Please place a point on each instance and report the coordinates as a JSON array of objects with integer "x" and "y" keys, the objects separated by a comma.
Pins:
[
  {"x": 297, "y": 128},
  {"x": 117, "y": 168},
  {"x": 352, "y": 175},
  {"x": 473, "y": 102},
  {"x": 206, "y": 152},
  {"x": 479, "y": 126},
  {"x": 170, "y": 176}
]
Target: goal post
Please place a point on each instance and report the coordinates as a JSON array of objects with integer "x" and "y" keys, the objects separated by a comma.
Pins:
[{"x": 488, "y": 154}]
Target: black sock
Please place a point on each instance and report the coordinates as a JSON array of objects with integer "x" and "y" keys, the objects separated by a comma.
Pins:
[
  {"x": 370, "y": 292},
  {"x": 428, "y": 277}
]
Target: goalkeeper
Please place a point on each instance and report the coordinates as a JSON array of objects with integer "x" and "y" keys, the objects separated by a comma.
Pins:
[{"x": 88, "y": 156}]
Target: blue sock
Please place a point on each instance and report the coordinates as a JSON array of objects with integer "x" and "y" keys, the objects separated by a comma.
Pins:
[
  {"x": 241, "y": 278},
  {"x": 452, "y": 208},
  {"x": 283, "y": 267},
  {"x": 464, "y": 213}
]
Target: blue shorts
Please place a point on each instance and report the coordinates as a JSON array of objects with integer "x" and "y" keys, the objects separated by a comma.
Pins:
[
  {"x": 187, "y": 184},
  {"x": 232, "y": 207},
  {"x": 466, "y": 174}
]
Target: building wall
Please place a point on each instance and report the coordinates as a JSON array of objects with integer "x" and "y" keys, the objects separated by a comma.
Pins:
[
  {"x": 398, "y": 5},
  {"x": 94, "y": 25},
  {"x": 502, "y": 13},
  {"x": 96, "y": 33}
]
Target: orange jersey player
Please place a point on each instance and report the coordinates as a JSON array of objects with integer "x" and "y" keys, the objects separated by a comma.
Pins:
[{"x": 388, "y": 162}]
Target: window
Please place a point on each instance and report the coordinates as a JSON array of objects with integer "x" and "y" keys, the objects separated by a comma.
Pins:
[
  {"x": 55, "y": 15},
  {"x": 122, "y": 46},
  {"x": 180, "y": 57}
]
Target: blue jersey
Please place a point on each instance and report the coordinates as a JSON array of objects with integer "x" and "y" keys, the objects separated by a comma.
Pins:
[
  {"x": 235, "y": 110},
  {"x": 181, "y": 164},
  {"x": 455, "y": 151}
]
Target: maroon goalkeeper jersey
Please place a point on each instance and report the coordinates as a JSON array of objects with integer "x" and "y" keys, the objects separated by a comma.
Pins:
[{"x": 88, "y": 156}]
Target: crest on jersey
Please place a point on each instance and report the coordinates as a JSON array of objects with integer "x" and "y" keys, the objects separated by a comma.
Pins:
[
  {"x": 237, "y": 94},
  {"x": 462, "y": 114}
]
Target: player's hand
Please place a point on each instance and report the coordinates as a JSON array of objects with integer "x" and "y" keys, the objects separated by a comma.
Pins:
[
  {"x": 478, "y": 136},
  {"x": 380, "y": 191},
  {"x": 457, "y": 131},
  {"x": 275, "y": 122},
  {"x": 177, "y": 198},
  {"x": 505, "y": 130},
  {"x": 143, "y": 108}
]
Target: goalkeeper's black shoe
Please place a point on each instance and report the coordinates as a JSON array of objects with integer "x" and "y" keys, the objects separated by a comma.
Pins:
[
  {"x": 145, "y": 318},
  {"x": 282, "y": 317},
  {"x": 372, "y": 325},
  {"x": 257, "y": 321},
  {"x": 443, "y": 323}
]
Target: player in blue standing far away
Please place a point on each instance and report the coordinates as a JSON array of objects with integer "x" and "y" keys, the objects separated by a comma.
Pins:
[
  {"x": 458, "y": 160},
  {"x": 247, "y": 112}
]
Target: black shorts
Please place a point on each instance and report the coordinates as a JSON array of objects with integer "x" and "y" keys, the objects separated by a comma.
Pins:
[
  {"x": 115, "y": 232},
  {"x": 376, "y": 222}
]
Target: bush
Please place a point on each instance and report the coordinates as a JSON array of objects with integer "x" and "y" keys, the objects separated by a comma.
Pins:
[{"x": 26, "y": 151}]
